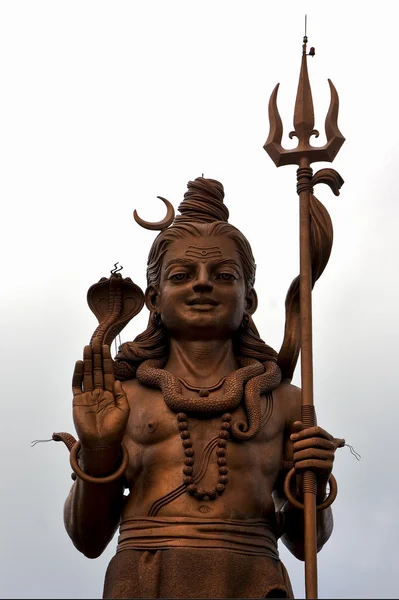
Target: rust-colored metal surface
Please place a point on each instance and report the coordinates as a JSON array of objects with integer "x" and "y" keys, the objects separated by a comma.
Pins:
[
  {"x": 114, "y": 301},
  {"x": 186, "y": 436},
  {"x": 303, "y": 155}
]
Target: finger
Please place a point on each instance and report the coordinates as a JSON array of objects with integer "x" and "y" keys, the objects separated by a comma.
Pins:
[
  {"x": 108, "y": 369},
  {"x": 339, "y": 442},
  {"x": 311, "y": 432},
  {"x": 314, "y": 454},
  {"x": 316, "y": 442},
  {"x": 297, "y": 427},
  {"x": 77, "y": 378},
  {"x": 314, "y": 465},
  {"x": 87, "y": 369},
  {"x": 120, "y": 396},
  {"x": 98, "y": 378}
]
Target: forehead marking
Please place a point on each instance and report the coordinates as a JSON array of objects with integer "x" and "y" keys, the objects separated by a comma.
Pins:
[{"x": 206, "y": 252}]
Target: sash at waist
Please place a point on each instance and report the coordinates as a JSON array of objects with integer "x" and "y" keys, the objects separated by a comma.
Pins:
[{"x": 252, "y": 536}]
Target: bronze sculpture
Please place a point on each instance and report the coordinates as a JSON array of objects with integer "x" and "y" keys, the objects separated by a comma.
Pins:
[{"x": 197, "y": 418}]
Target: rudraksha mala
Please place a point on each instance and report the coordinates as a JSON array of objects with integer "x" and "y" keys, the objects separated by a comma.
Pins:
[{"x": 221, "y": 452}]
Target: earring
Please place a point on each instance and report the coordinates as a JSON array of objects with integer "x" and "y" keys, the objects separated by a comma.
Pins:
[
  {"x": 156, "y": 319},
  {"x": 245, "y": 321}
]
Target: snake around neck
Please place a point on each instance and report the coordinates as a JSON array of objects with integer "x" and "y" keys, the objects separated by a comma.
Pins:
[{"x": 250, "y": 381}]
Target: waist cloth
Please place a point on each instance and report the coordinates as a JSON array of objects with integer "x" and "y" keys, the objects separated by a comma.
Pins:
[
  {"x": 252, "y": 536},
  {"x": 181, "y": 557}
]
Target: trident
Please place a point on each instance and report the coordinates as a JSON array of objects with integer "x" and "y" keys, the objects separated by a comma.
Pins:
[{"x": 303, "y": 155}]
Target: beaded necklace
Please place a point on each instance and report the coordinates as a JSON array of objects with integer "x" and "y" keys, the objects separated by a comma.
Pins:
[
  {"x": 221, "y": 453},
  {"x": 261, "y": 377}
]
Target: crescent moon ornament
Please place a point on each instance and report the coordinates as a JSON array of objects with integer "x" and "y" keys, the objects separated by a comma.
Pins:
[{"x": 158, "y": 225}]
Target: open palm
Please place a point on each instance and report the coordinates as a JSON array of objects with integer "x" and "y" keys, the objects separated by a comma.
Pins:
[{"x": 100, "y": 407}]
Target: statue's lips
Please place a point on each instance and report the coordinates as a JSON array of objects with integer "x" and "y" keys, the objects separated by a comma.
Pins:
[{"x": 202, "y": 302}]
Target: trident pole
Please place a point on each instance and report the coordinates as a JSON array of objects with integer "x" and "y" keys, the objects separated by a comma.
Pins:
[
  {"x": 307, "y": 409},
  {"x": 303, "y": 155}
]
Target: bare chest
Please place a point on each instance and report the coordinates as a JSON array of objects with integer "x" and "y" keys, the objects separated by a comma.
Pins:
[{"x": 155, "y": 431}]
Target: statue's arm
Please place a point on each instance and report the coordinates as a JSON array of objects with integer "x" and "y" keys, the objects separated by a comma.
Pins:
[
  {"x": 313, "y": 450},
  {"x": 92, "y": 511}
]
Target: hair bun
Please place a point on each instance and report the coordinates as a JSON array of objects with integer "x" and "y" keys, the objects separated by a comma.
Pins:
[{"x": 203, "y": 202}]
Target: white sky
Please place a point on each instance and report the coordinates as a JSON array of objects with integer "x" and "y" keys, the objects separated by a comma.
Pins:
[{"x": 105, "y": 105}]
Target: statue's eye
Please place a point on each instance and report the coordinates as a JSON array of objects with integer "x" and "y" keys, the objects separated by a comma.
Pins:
[
  {"x": 226, "y": 276},
  {"x": 179, "y": 276}
]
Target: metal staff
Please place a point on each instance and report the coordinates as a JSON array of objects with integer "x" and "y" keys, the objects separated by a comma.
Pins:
[{"x": 303, "y": 155}]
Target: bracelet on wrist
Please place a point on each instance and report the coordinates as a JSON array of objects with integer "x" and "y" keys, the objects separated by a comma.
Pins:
[
  {"x": 89, "y": 478},
  {"x": 323, "y": 505}
]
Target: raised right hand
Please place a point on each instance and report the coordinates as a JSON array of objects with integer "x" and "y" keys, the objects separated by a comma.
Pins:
[{"x": 100, "y": 406}]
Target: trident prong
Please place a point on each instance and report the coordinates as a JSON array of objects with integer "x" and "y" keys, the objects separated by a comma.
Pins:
[{"x": 304, "y": 153}]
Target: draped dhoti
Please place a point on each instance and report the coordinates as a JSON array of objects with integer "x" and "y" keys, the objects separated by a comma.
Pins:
[{"x": 196, "y": 558}]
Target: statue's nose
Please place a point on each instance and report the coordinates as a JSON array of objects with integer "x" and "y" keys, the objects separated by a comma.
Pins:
[{"x": 203, "y": 280}]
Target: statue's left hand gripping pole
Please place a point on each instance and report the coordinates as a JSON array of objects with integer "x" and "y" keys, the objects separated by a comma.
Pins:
[{"x": 303, "y": 155}]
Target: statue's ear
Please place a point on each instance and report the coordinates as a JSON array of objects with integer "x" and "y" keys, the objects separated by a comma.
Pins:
[
  {"x": 251, "y": 302},
  {"x": 151, "y": 298}
]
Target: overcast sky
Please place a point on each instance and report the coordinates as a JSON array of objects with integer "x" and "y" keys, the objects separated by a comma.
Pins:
[{"x": 106, "y": 104}]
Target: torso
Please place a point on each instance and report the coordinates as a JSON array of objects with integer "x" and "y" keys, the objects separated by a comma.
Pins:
[{"x": 157, "y": 459}]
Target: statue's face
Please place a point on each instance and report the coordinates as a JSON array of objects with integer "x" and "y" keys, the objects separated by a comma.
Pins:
[{"x": 202, "y": 292}]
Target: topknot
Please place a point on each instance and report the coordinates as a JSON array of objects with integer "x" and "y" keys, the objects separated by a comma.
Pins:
[{"x": 203, "y": 202}]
